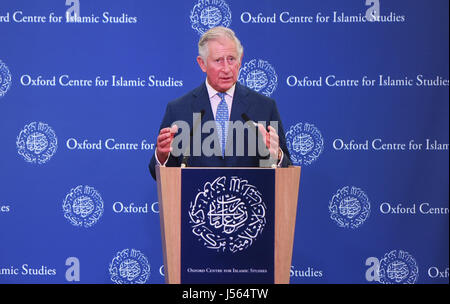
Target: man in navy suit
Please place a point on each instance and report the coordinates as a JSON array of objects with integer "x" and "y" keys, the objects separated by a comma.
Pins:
[{"x": 221, "y": 99}]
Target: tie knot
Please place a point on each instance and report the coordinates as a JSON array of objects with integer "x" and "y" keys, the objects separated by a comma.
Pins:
[{"x": 221, "y": 95}]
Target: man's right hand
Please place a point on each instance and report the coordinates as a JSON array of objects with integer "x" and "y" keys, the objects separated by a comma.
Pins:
[{"x": 164, "y": 143}]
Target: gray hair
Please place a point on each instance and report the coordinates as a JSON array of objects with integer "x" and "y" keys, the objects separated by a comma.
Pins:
[{"x": 216, "y": 33}]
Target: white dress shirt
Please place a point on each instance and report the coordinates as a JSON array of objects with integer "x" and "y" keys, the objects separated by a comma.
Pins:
[{"x": 214, "y": 99}]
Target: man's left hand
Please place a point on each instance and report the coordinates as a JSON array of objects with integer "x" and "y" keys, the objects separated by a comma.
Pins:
[{"x": 271, "y": 139}]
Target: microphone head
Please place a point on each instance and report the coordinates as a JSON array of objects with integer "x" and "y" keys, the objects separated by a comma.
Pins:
[
  {"x": 245, "y": 117},
  {"x": 248, "y": 120}
]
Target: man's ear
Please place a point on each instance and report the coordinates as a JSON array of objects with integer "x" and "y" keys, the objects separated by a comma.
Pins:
[{"x": 201, "y": 63}]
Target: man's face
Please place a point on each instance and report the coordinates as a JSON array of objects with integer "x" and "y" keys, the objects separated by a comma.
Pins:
[{"x": 222, "y": 65}]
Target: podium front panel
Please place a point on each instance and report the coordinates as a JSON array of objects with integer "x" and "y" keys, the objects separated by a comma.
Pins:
[{"x": 227, "y": 225}]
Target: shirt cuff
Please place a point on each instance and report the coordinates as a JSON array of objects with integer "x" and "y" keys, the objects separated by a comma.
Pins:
[
  {"x": 281, "y": 159},
  {"x": 157, "y": 160}
]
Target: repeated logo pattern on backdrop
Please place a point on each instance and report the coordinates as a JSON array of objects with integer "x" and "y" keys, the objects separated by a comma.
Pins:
[
  {"x": 349, "y": 207},
  {"x": 398, "y": 267},
  {"x": 129, "y": 267},
  {"x": 5, "y": 79},
  {"x": 37, "y": 143},
  {"x": 305, "y": 143},
  {"x": 83, "y": 206},
  {"x": 260, "y": 76},
  {"x": 207, "y": 14},
  {"x": 372, "y": 178}
]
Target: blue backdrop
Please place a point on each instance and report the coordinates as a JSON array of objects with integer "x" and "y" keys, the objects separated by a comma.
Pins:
[{"x": 362, "y": 88}]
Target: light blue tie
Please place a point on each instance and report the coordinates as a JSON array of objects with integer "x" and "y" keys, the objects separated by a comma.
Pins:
[{"x": 222, "y": 120}]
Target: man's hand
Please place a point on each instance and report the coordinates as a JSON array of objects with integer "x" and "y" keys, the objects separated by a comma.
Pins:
[
  {"x": 271, "y": 140},
  {"x": 164, "y": 143}
]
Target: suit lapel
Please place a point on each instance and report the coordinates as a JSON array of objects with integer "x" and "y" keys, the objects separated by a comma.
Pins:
[
  {"x": 239, "y": 106},
  {"x": 240, "y": 103},
  {"x": 201, "y": 102}
]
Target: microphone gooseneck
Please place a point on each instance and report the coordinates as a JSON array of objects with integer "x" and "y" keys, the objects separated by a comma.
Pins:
[{"x": 187, "y": 153}]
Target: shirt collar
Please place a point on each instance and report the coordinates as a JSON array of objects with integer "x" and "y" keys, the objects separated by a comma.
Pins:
[{"x": 212, "y": 91}]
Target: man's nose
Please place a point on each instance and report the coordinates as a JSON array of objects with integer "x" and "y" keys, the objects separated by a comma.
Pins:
[{"x": 226, "y": 67}]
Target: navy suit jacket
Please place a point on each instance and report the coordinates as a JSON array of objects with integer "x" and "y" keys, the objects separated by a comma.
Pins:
[{"x": 257, "y": 107}]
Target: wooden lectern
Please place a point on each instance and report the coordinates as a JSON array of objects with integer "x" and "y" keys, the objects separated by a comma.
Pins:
[{"x": 169, "y": 194}]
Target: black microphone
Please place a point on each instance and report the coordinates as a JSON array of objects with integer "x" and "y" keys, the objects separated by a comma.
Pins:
[
  {"x": 248, "y": 120},
  {"x": 191, "y": 134}
]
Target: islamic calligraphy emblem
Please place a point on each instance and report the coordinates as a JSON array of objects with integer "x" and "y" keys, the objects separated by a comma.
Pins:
[
  {"x": 398, "y": 267},
  {"x": 207, "y": 14},
  {"x": 305, "y": 143},
  {"x": 260, "y": 76},
  {"x": 228, "y": 215},
  {"x": 37, "y": 143},
  {"x": 5, "y": 79},
  {"x": 129, "y": 267},
  {"x": 83, "y": 206},
  {"x": 349, "y": 207}
]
